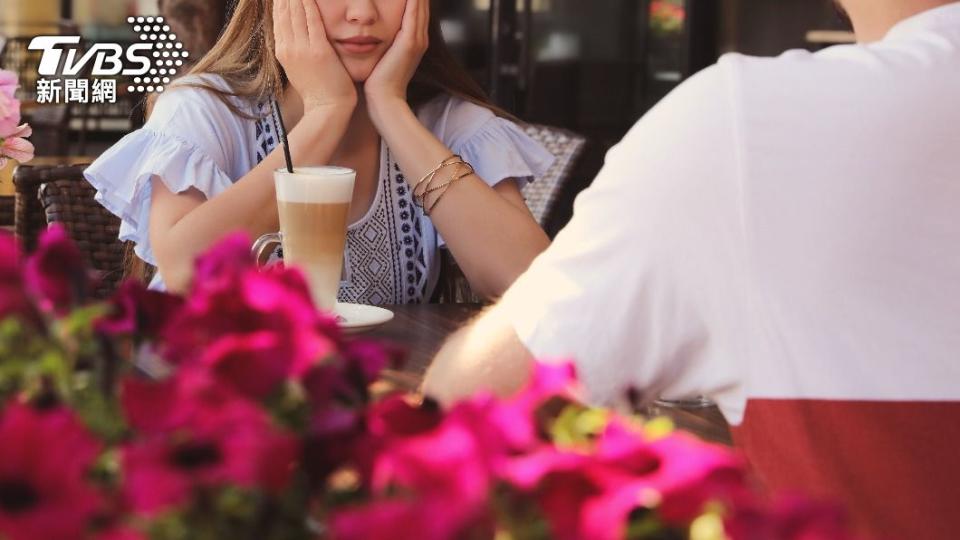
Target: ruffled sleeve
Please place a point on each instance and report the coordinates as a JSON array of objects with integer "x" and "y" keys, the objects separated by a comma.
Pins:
[
  {"x": 185, "y": 144},
  {"x": 496, "y": 147}
]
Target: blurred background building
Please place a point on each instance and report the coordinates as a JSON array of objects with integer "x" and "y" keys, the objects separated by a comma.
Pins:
[{"x": 591, "y": 67}]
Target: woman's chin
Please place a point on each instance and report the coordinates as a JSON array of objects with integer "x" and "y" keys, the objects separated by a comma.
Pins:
[{"x": 359, "y": 74}]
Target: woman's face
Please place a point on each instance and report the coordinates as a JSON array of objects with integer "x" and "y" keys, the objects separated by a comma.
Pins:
[{"x": 361, "y": 31}]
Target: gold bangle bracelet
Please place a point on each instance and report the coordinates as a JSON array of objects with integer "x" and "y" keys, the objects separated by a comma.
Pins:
[
  {"x": 427, "y": 178},
  {"x": 456, "y": 176}
]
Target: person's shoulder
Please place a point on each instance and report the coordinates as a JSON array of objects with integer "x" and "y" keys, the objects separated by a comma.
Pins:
[
  {"x": 453, "y": 118},
  {"x": 197, "y": 97}
]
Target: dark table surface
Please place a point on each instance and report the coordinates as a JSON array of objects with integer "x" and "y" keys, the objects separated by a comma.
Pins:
[{"x": 422, "y": 329}]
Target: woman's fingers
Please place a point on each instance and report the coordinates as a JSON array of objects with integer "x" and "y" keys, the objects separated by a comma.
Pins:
[
  {"x": 424, "y": 21},
  {"x": 281, "y": 21},
  {"x": 298, "y": 20},
  {"x": 315, "y": 30}
]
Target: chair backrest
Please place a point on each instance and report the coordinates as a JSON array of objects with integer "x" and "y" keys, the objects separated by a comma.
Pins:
[
  {"x": 29, "y": 218},
  {"x": 566, "y": 146},
  {"x": 94, "y": 229}
]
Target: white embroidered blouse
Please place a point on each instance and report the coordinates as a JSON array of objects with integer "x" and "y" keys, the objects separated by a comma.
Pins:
[{"x": 193, "y": 140}]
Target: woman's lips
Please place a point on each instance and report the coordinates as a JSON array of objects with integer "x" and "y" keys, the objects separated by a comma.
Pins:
[{"x": 359, "y": 45}]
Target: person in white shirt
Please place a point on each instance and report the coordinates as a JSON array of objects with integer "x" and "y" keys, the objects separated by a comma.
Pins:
[{"x": 781, "y": 235}]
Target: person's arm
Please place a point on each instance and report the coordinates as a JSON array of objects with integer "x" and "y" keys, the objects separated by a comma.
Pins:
[
  {"x": 486, "y": 355},
  {"x": 182, "y": 225},
  {"x": 490, "y": 231},
  {"x": 643, "y": 289}
]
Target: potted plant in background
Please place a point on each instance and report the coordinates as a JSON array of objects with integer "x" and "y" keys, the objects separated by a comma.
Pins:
[{"x": 14, "y": 146}]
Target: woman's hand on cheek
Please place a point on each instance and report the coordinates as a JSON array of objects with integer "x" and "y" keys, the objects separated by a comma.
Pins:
[
  {"x": 389, "y": 80},
  {"x": 312, "y": 66}
]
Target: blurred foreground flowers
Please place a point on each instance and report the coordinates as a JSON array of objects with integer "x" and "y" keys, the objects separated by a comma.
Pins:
[{"x": 242, "y": 412}]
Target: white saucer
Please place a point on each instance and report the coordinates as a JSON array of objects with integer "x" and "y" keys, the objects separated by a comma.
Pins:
[{"x": 361, "y": 318}]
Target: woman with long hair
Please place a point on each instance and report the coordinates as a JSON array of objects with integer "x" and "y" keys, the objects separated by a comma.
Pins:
[{"x": 363, "y": 84}]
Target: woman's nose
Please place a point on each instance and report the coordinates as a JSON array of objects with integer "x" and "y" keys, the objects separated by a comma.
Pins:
[{"x": 361, "y": 11}]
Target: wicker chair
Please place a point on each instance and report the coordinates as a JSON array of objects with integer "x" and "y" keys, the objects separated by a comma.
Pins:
[
  {"x": 566, "y": 147},
  {"x": 541, "y": 197},
  {"x": 90, "y": 225},
  {"x": 29, "y": 218}
]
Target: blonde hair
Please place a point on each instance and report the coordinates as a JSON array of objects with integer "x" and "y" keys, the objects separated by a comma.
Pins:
[{"x": 244, "y": 56}]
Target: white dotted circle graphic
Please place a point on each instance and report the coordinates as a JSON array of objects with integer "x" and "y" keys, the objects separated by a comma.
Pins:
[
  {"x": 131, "y": 20},
  {"x": 139, "y": 89},
  {"x": 143, "y": 37},
  {"x": 156, "y": 28},
  {"x": 160, "y": 19},
  {"x": 136, "y": 28},
  {"x": 159, "y": 89},
  {"x": 166, "y": 80},
  {"x": 185, "y": 54},
  {"x": 150, "y": 89},
  {"x": 139, "y": 19},
  {"x": 179, "y": 62},
  {"x": 166, "y": 54},
  {"x": 130, "y": 89},
  {"x": 136, "y": 79},
  {"x": 153, "y": 37},
  {"x": 153, "y": 72},
  {"x": 166, "y": 28},
  {"x": 179, "y": 45},
  {"x": 149, "y": 19}
]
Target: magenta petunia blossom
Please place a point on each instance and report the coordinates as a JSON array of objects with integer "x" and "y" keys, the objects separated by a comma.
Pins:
[
  {"x": 55, "y": 273},
  {"x": 136, "y": 310},
  {"x": 445, "y": 476},
  {"x": 253, "y": 364},
  {"x": 204, "y": 436},
  {"x": 253, "y": 302},
  {"x": 223, "y": 263},
  {"x": 44, "y": 460},
  {"x": 14, "y": 300}
]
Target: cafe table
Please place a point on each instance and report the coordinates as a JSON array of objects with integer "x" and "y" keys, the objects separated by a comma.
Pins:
[{"x": 420, "y": 330}]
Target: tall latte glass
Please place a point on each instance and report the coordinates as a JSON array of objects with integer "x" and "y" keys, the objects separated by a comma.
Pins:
[{"x": 313, "y": 203}]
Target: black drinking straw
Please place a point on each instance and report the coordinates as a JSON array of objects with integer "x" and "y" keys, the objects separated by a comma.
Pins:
[{"x": 283, "y": 136}]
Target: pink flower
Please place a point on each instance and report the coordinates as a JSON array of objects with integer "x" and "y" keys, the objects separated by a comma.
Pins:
[
  {"x": 44, "y": 460},
  {"x": 8, "y": 83},
  {"x": 405, "y": 519},
  {"x": 15, "y": 145},
  {"x": 14, "y": 300},
  {"x": 202, "y": 436},
  {"x": 443, "y": 479},
  {"x": 346, "y": 377},
  {"x": 224, "y": 262},
  {"x": 591, "y": 494},
  {"x": 239, "y": 300},
  {"x": 253, "y": 364},
  {"x": 55, "y": 274},
  {"x": 121, "y": 533},
  {"x": 9, "y": 106},
  {"x": 138, "y": 311}
]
